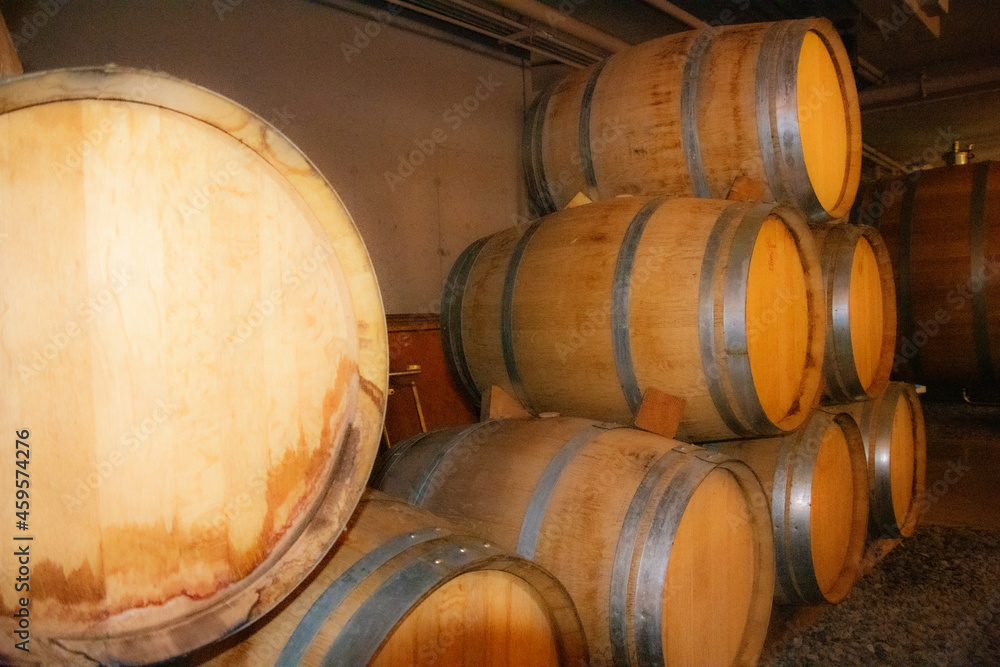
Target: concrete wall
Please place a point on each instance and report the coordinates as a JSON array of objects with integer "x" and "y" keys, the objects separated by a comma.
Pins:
[{"x": 359, "y": 106}]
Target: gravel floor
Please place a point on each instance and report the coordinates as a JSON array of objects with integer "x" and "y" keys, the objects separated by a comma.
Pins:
[{"x": 934, "y": 600}]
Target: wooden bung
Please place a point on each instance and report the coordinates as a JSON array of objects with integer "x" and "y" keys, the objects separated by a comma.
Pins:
[
  {"x": 403, "y": 587},
  {"x": 942, "y": 230},
  {"x": 717, "y": 303},
  {"x": 692, "y": 113},
  {"x": 195, "y": 342},
  {"x": 665, "y": 548},
  {"x": 815, "y": 479},
  {"x": 860, "y": 311},
  {"x": 892, "y": 425},
  {"x": 497, "y": 404}
]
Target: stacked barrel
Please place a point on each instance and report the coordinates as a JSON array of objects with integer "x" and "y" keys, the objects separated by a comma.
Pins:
[
  {"x": 10, "y": 63},
  {"x": 194, "y": 366},
  {"x": 694, "y": 254},
  {"x": 195, "y": 374},
  {"x": 202, "y": 427},
  {"x": 942, "y": 229}
]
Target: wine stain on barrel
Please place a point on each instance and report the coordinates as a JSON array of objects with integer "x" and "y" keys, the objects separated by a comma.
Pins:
[
  {"x": 301, "y": 469},
  {"x": 149, "y": 565}
]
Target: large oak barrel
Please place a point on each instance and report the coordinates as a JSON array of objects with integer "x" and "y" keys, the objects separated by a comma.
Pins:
[
  {"x": 942, "y": 229},
  {"x": 10, "y": 62},
  {"x": 892, "y": 425},
  {"x": 717, "y": 302},
  {"x": 193, "y": 351},
  {"x": 665, "y": 548},
  {"x": 860, "y": 311},
  {"x": 689, "y": 113},
  {"x": 815, "y": 479},
  {"x": 404, "y": 587}
]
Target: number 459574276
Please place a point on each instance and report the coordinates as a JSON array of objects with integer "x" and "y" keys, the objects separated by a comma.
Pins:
[{"x": 22, "y": 454}]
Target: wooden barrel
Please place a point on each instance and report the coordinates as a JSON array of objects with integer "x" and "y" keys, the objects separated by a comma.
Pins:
[
  {"x": 815, "y": 479},
  {"x": 665, "y": 548},
  {"x": 194, "y": 355},
  {"x": 892, "y": 425},
  {"x": 860, "y": 311},
  {"x": 717, "y": 302},
  {"x": 690, "y": 113},
  {"x": 942, "y": 229},
  {"x": 403, "y": 587},
  {"x": 10, "y": 62}
]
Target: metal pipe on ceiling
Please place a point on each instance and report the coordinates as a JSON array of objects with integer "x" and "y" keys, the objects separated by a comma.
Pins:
[
  {"x": 928, "y": 89},
  {"x": 881, "y": 159},
  {"x": 504, "y": 30},
  {"x": 382, "y": 18},
  {"x": 561, "y": 21},
  {"x": 677, "y": 13},
  {"x": 871, "y": 73}
]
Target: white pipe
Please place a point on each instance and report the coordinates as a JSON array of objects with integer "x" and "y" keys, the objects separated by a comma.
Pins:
[
  {"x": 507, "y": 39},
  {"x": 880, "y": 158},
  {"x": 560, "y": 21}
]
